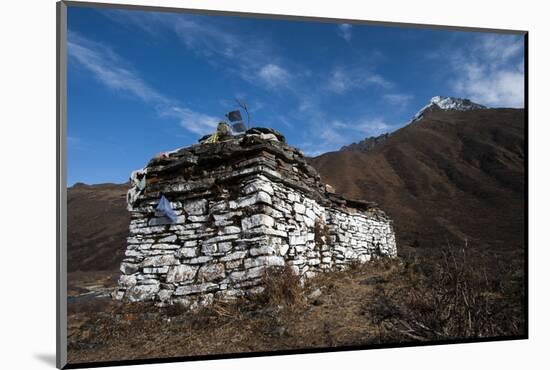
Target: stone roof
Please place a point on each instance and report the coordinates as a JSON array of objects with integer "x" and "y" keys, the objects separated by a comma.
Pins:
[{"x": 198, "y": 170}]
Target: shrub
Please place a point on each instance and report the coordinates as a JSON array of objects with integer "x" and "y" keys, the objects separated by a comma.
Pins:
[
  {"x": 448, "y": 298},
  {"x": 282, "y": 287}
]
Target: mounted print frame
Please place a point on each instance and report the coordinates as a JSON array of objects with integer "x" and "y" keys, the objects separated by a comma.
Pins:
[{"x": 236, "y": 184}]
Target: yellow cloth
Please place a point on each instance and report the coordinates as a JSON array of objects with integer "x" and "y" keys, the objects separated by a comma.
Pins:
[{"x": 213, "y": 139}]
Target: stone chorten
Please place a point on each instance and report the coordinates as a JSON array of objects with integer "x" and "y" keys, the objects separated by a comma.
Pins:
[{"x": 240, "y": 205}]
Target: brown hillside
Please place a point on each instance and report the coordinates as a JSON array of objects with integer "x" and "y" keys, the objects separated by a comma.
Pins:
[
  {"x": 452, "y": 175},
  {"x": 97, "y": 226}
]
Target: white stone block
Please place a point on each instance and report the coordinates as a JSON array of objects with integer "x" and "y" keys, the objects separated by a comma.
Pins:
[
  {"x": 168, "y": 239},
  {"x": 164, "y": 246},
  {"x": 127, "y": 281},
  {"x": 299, "y": 208},
  {"x": 197, "y": 288},
  {"x": 264, "y": 261},
  {"x": 155, "y": 270},
  {"x": 181, "y": 273},
  {"x": 142, "y": 292},
  {"x": 196, "y": 207},
  {"x": 187, "y": 252},
  {"x": 162, "y": 260},
  {"x": 234, "y": 256},
  {"x": 258, "y": 186},
  {"x": 257, "y": 220},
  {"x": 231, "y": 230}
]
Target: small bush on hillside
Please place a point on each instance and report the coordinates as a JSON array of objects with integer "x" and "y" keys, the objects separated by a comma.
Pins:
[
  {"x": 448, "y": 298},
  {"x": 282, "y": 287}
]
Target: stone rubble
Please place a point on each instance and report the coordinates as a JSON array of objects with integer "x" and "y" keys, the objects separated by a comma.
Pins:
[{"x": 243, "y": 205}]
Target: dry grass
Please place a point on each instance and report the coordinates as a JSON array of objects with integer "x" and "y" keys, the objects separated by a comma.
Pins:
[
  {"x": 282, "y": 289},
  {"x": 458, "y": 295},
  {"x": 384, "y": 301}
]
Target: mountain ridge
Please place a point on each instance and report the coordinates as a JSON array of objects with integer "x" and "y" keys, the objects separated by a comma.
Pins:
[
  {"x": 437, "y": 102},
  {"x": 442, "y": 178}
]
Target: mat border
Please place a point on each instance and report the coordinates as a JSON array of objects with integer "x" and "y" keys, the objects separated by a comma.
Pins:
[
  {"x": 61, "y": 190},
  {"x": 61, "y": 185}
]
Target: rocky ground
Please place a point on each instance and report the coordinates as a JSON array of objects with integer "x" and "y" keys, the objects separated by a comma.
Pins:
[{"x": 385, "y": 301}]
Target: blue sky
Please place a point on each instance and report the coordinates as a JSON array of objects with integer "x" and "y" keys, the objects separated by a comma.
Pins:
[{"x": 140, "y": 83}]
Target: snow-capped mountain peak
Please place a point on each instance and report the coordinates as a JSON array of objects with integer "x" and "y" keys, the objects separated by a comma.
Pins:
[{"x": 448, "y": 103}]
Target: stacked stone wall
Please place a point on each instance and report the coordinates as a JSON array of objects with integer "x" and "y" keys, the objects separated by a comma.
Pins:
[{"x": 236, "y": 219}]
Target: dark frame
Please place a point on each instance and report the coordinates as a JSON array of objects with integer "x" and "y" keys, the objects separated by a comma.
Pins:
[{"x": 61, "y": 190}]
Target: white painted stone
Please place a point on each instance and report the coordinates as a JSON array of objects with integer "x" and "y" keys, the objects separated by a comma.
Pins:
[
  {"x": 299, "y": 208},
  {"x": 187, "y": 252},
  {"x": 221, "y": 238},
  {"x": 211, "y": 272},
  {"x": 142, "y": 292},
  {"x": 258, "y": 186},
  {"x": 127, "y": 281},
  {"x": 265, "y": 231},
  {"x": 199, "y": 260},
  {"x": 133, "y": 253},
  {"x": 237, "y": 276},
  {"x": 218, "y": 206},
  {"x": 259, "y": 197},
  {"x": 264, "y": 250},
  {"x": 257, "y": 220},
  {"x": 310, "y": 222},
  {"x": 165, "y": 246},
  {"x": 196, "y": 207},
  {"x": 165, "y": 294},
  {"x": 155, "y": 270},
  {"x": 315, "y": 294},
  {"x": 256, "y": 272},
  {"x": 296, "y": 240},
  {"x": 197, "y": 288},
  {"x": 224, "y": 247},
  {"x": 128, "y": 268},
  {"x": 209, "y": 249},
  {"x": 231, "y": 230},
  {"x": 168, "y": 239},
  {"x": 227, "y": 215},
  {"x": 222, "y": 223},
  {"x": 162, "y": 260},
  {"x": 181, "y": 273},
  {"x": 198, "y": 218},
  {"x": 313, "y": 261},
  {"x": 234, "y": 256},
  {"x": 231, "y": 265},
  {"x": 264, "y": 261}
]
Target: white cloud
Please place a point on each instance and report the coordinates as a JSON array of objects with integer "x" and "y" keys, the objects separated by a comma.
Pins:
[
  {"x": 76, "y": 143},
  {"x": 341, "y": 80},
  {"x": 374, "y": 127},
  {"x": 106, "y": 67},
  {"x": 344, "y": 31},
  {"x": 196, "y": 122},
  {"x": 399, "y": 101},
  {"x": 248, "y": 56},
  {"x": 366, "y": 126},
  {"x": 109, "y": 69},
  {"x": 491, "y": 71},
  {"x": 256, "y": 61},
  {"x": 336, "y": 133},
  {"x": 331, "y": 135},
  {"x": 274, "y": 75}
]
